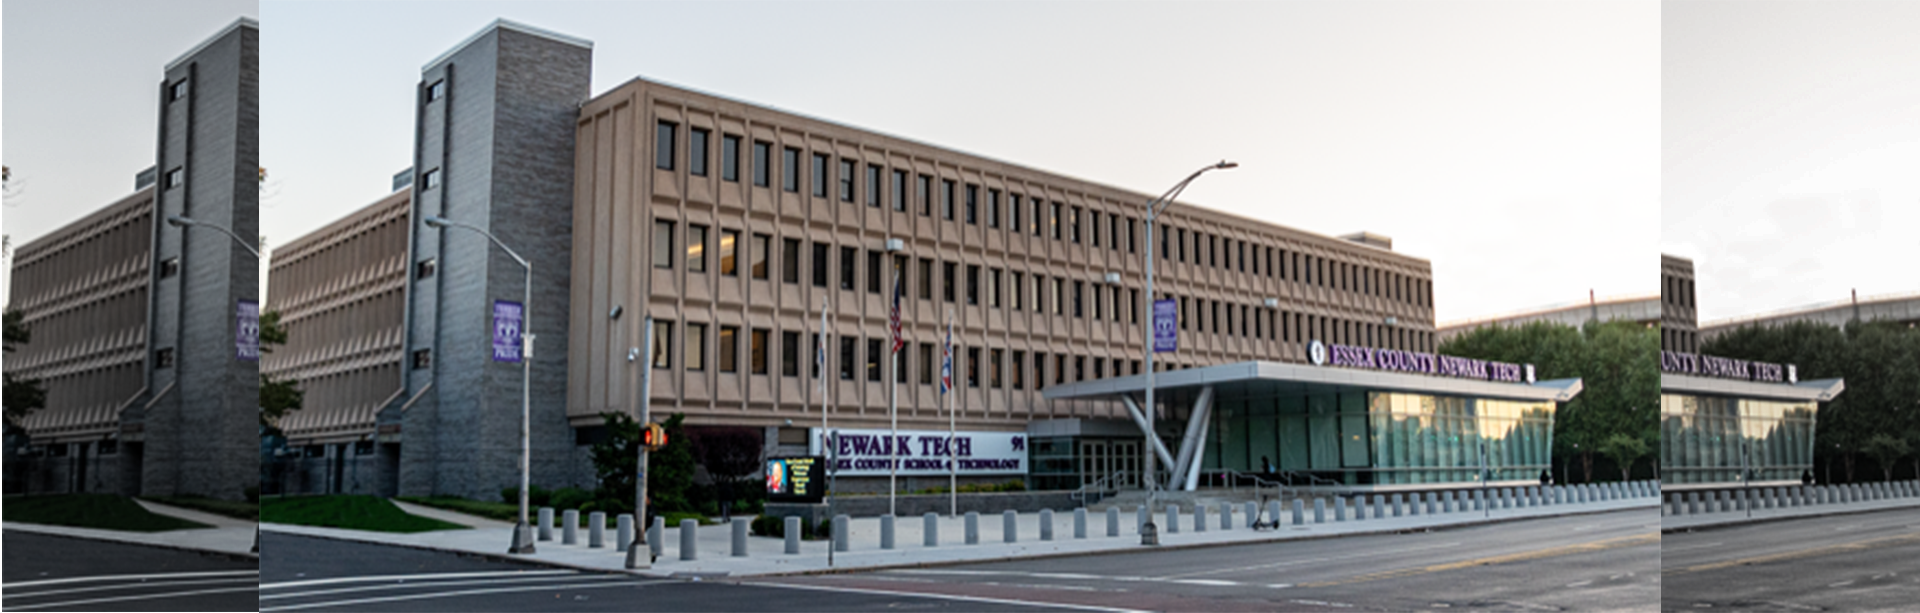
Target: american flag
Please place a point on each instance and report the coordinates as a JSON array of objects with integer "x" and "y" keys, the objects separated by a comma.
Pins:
[
  {"x": 946, "y": 363},
  {"x": 893, "y": 318}
]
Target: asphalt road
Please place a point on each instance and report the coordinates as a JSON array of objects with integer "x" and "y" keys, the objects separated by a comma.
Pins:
[
  {"x": 54, "y": 573},
  {"x": 309, "y": 574},
  {"x": 1859, "y": 562},
  {"x": 1590, "y": 562}
]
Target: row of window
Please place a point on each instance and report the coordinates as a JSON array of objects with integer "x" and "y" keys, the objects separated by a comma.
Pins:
[
  {"x": 998, "y": 288},
  {"x": 727, "y": 358},
  {"x": 1676, "y": 290},
  {"x": 1061, "y": 222}
]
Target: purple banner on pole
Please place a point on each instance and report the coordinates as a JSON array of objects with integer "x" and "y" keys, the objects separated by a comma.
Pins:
[
  {"x": 1166, "y": 326},
  {"x": 506, "y": 330},
  {"x": 246, "y": 333}
]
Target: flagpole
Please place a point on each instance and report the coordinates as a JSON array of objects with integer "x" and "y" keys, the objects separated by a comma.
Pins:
[
  {"x": 893, "y": 404},
  {"x": 820, "y": 357},
  {"x": 953, "y": 474}
]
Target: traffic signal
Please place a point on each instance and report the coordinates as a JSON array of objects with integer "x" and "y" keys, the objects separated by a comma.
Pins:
[{"x": 653, "y": 437}]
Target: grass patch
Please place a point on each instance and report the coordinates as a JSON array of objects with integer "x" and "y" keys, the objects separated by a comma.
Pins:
[
  {"x": 238, "y": 509},
  {"x": 353, "y": 512},
  {"x": 498, "y": 511},
  {"x": 104, "y": 511}
]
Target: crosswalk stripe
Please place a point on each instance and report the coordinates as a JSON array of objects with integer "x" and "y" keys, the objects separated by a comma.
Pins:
[
  {"x": 94, "y": 601},
  {"x": 185, "y": 575},
  {"x": 428, "y": 584},
  {"x": 15, "y": 594},
  {"x": 404, "y": 597},
  {"x": 471, "y": 575}
]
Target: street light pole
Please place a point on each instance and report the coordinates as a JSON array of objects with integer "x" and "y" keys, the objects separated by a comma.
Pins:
[
  {"x": 185, "y": 222},
  {"x": 522, "y": 535},
  {"x": 1149, "y": 533}
]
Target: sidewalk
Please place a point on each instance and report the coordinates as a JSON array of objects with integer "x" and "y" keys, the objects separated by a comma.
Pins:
[
  {"x": 226, "y": 536},
  {"x": 766, "y": 555},
  {"x": 1761, "y": 514}
]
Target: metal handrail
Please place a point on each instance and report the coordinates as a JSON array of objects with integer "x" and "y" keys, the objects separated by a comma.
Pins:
[
  {"x": 1233, "y": 479},
  {"x": 1104, "y": 485}
]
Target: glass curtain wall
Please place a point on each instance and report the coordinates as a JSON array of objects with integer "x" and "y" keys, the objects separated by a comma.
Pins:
[
  {"x": 1383, "y": 438},
  {"x": 1701, "y": 438}
]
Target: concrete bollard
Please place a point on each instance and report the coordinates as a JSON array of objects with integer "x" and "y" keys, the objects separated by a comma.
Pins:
[
  {"x": 657, "y": 536},
  {"x": 570, "y": 527},
  {"x": 1693, "y": 503},
  {"x": 1140, "y": 519},
  {"x": 973, "y": 527},
  {"x": 1046, "y": 524},
  {"x": 1173, "y": 520},
  {"x": 1446, "y": 502},
  {"x": 689, "y": 539},
  {"x": 1226, "y": 516},
  {"x": 1477, "y": 500},
  {"x": 1339, "y": 509},
  {"x": 740, "y": 526},
  {"x": 1199, "y": 517},
  {"x": 841, "y": 525},
  {"x": 597, "y": 529},
  {"x": 792, "y": 536},
  {"x": 1673, "y": 505},
  {"x": 1399, "y": 506},
  {"x": 1433, "y": 501},
  {"x": 1080, "y": 523},
  {"x": 1299, "y": 512},
  {"x": 930, "y": 530},
  {"x": 622, "y": 532},
  {"x": 1113, "y": 522},
  {"x": 886, "y": 531},
  {"x": 1379, "y": 506},
  {"x": 1253, "y": 513},
  {"x": 1009, "y": 526},
  {"x": 546, "y": 523},
  {"x": 1273, "y": 512},
  {"x": 1319, "y": 510}
]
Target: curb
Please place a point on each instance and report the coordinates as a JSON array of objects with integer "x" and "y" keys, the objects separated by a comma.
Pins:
[
  {"x": 1743, "y": 521},
  {"x": 38, "y": 529},
  {"x": 710, "y": 575}
]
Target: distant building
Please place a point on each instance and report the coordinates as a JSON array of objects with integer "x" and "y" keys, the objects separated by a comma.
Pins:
[
  {"x": 140, "y": 326},
  {"x": 1643, "y": 310},
  {"x": 1903, "y": 309}
]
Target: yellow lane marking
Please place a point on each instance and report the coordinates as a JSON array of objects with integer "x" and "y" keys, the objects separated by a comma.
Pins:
[
  {"x": 1625, "y": 541},
  {"x": 1887, "y": 541}
]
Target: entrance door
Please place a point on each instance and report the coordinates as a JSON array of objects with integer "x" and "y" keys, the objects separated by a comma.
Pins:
[
  {"x": 1094, "y": 459},
  {"x": 1126, "y": 458}
]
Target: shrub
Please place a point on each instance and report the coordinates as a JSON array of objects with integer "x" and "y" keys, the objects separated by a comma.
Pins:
[
  {"x": 253, "y": 494},
  {"x": 569, "y": 498},
  {"x": 536, "y": 496}
]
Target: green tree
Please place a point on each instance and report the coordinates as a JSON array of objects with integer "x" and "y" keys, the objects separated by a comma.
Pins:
[
  {"x": 23, "y": 396},
  {"x": 1886, "y": 449},
  {"x": 1624, "y": 449},
  {"x": 277, "y": 396},
  {"x": 1879, "y": 360},
  {"x": 1617, "y": 362},
  {"x": 669, "y": 470}
]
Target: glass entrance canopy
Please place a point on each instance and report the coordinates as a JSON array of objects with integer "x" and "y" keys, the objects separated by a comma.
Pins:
[
  {"x": 1710, "y": 429},
  {"x": 1316, "y": 424}
]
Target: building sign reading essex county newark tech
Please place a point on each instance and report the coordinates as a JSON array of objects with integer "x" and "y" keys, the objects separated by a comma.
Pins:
[
  {"x": 1349, "y": 356},
  {"x": 1726, "y": 368}
]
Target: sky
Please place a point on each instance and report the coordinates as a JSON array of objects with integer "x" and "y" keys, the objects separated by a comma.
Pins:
[
  {"x": 1514, "y": 145},
  {"x": 1791, "y": 151},
  {"x": 80, "y": 111}
]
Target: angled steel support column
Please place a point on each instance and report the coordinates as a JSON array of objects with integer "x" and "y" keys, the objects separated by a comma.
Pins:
[
  {"x": 1193, "y": 464},
  {"x": 1189, "y": 446},
  {"x": 1140, "y": 419}
]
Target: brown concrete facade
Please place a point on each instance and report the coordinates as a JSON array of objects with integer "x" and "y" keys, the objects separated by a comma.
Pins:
[
  {"x": 1679, "y": 317},
  {"x": 339, "y": 292},
  {"x": 1020, "y": 257},
  {"x": 82, "y": 293}
]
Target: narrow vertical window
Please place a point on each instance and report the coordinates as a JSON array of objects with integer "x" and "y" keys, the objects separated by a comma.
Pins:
[
  {"x": 993, "y": 208},
  {"x": 789, "y": 354},
  {"x": 973, "y": 204},
  {"x": 820, "y": 254},
  {"x": 849, "y": 259},
  {"x": 1093, "y": 226},
  {"x": 1013, "y": 213},
  {"x": 663, "y": 145},
  {"x": 973, "y": 284},
  {"x": 696, "y": 343},
  {"x": 924, "y": 185},
  {"x": 973, "y": 367},
  {"x": 697, "y": 152},
  {"x": 948, "y": 268},
  {"x": 435, "y": 91},
  {"x": 846, "y": 358},
  {"x": 730, "y": 158},
  {"x": 758, "y": 252},
  {"x": 1054, "y": 220},
  {"x": 946, "y": 199},
  {"x": 790, "y": 260},
  {"x": 900, "y": 191},
  {"x": 1017, "y": 369},
  {"x": 696, "y": 248},
  {"x": 873, "y": 360},
  {"x": 729, "y": 245},
  {"x": 846, "y": 180},
  {"x": 873, "y": 186},
  {"x": 926, "y": 279},
  {"x": 662, "y": 244},
  {"x": 873, "y": 271},
  {"x": 1073, "y": 225},
  {"x": 762, "y": 163},
  {"x": 757, "y": 352},
  {"x": 729, "y": 349},
  {"x": 819, "y": 175},
  {"x": 662, "y": 344},
  {"x": 994, "y": 357},
  {"x": 790, "y": 169}
]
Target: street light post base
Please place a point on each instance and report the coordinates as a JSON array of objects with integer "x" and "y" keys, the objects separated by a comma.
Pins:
[
  {"x": 522, "y": 539},
  {"x": 639, "y": 555},
  {"x": 1149, "y": 534}
]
